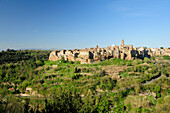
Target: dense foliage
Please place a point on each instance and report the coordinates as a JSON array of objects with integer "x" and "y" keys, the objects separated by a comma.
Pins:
[
  {"x": 12, "y": 56},
  {"x": 31, "y": 83},
  {"x": 166, "y": 57}
]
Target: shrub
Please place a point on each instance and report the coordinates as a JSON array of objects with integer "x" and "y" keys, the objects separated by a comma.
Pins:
[
  {"x": 71, "y": 62},
  {"x": 166, "y": 57},
  {"x": 76, "y": 76},
  {"x": 39, "y": 62},
  {"x": 62, "y": 100},
  {"x": 162, "y": 105},
  {"x": 164, "y": 71},
  {"x": 25, "y": 84},
  {"x": 47, "y": 68},
  {"x": 157, "y": 89},
  {"x": 129, "y": 63},
  {"x": 63, "y": 60},
  {"x": 136, "y": 62},
  {"x": 153, "y": 57},
  {"x": 147, "y": 60}
]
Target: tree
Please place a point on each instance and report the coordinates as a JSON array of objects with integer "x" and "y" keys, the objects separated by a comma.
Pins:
[
  {"x": 63, "y": 100},
  {"x": 161, "y": 47}
]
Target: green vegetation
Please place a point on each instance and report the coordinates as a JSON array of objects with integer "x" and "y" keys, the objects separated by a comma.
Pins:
[
  {"x": 166, "y": 57},
  {"x": 112, "y": 85},
  {"x": 161, "y": 47}
]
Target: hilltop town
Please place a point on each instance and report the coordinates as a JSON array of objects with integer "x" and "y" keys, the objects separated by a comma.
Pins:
[
  {"x": 102, "y": 80},
  {"x": 89, "y": 55}
]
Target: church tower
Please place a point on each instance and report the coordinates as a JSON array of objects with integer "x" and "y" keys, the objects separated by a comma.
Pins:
[{"x": 122, "y": 43}]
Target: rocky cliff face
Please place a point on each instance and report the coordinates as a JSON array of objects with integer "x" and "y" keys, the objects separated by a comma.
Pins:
[{"x": 90, "y": 55}]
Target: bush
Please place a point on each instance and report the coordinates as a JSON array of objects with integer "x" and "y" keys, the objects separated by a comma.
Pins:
[
  {"x": 39, "y": 62},
  {"x": 62, "y": 100},
  {"x": 162, "y": 105},
  {"x": 76, "y": 76},
  {"x": 129, "y": 63},
  {"x": 147, "y": 60},
  {"x": 166, "y": 57},
  {"x": 25, "y": 84},
  {"x": 47, "y": 68},
  {"x": 63, "y": 60}
]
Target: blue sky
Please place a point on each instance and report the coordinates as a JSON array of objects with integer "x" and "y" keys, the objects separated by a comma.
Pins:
[{"x": 69, "y": 24}]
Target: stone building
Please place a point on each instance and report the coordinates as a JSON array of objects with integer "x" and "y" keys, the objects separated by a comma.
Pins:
[{"x": 89, "y": 55}]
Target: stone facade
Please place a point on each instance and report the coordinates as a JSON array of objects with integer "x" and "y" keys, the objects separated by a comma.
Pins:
[{"x": 89, "y": 55}]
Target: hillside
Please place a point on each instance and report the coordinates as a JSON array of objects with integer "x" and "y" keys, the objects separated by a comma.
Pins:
[{"x": 31, "y": 83}]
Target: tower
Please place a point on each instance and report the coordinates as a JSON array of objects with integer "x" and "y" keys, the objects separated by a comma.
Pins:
[
  {"x": 97, "y": 46},
  {"x": 122, "y": 43}
]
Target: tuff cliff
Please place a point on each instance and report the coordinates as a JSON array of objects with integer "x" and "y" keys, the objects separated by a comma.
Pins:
[{"x": 89, "y": 55}]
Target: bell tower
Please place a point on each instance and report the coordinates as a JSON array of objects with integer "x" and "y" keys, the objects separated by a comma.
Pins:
[{"x": 122, "y": 43}]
